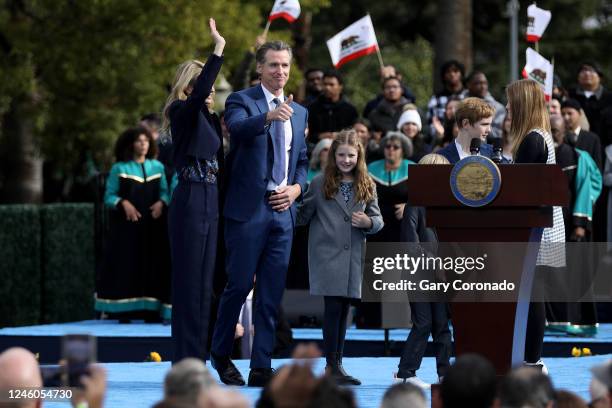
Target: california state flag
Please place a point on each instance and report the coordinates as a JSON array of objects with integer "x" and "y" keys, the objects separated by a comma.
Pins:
[
  {"x": 287, "y": 9},
  {"x": 355, "y": 41},
  {"x": 540, "y": 70},
  {"x": 537, "y": 21}
]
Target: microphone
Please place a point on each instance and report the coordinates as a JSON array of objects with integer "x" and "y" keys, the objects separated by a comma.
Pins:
[
  {"x": 497, "y": 151},
  {"x": 475, "y": 146}
]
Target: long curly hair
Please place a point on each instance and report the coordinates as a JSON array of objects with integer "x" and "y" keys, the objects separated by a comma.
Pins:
[
  {"x": 363, "y": 186},
  {"x": 124, "y": 146}
]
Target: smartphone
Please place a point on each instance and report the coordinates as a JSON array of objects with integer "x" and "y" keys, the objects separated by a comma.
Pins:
[{"x": 78, "y": 352}]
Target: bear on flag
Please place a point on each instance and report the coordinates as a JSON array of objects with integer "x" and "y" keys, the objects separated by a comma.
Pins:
[
  {"x": 539, "y": 69},
  {"x": 355, "y": 41}
]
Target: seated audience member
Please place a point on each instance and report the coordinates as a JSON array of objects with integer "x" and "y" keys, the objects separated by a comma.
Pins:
[
  {"x": 318, "y": 158},
  {"x": 18, "y": 370},
  {"x": 404, "y": 395},
  {"x": 578, "y": 137},
  {"x": 451, "y": 74},
  {"x": 478, "y": 86},
  {"x": 567, "y": 399},
  {"x": 526, "y": 387},
  {"x": 295, "y": 385},
  {"x": 599, "y": 394},
  {"x": 385, "y": 116},
  {"x": 470, "y": 382},
  {"x": 369, "y": 140},
  {"x": 189, "y": 384},
  {"x": 473, "y": 117},
  {"x": 603, "y": 374},
  {"x": 330, "y": 112},
  {"x": 386, "y": 72},
  {"x": 409, "y": 124}
]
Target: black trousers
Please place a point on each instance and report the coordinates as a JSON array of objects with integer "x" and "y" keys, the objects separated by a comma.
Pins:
[
  {"x": 334, "y": 323},
  {"x": 536, "y": 318},
  {"x": 193, "y": 218},
  {"x": 426, "y": 318}
]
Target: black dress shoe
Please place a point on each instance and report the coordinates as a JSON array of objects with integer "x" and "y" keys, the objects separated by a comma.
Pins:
[
  {"x": 228, "y": 373},
  {"x": 259, "y": 377}
]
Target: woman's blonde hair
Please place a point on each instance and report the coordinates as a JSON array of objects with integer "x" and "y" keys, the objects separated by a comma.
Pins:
[
  {"x": 433, "y": 158},
  {"x": 185, "y": 77},
  {"x": 363, "y": 186},
  {"x": 528, "y": 110}
]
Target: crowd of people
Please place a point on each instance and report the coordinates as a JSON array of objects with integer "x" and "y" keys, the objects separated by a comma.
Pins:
[
  {"x": 234, "y": 187},
  {"x": 470, "y": 382}
]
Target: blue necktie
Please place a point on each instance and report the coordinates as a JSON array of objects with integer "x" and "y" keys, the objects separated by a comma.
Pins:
[{"x": 277, "y": 130}]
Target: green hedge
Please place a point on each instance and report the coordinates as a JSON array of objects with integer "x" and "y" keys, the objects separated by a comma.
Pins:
[
  {"x": 68, "y": 262},
  {"x": 20, "y": 265},
  {"x": 47, "y": 267}
]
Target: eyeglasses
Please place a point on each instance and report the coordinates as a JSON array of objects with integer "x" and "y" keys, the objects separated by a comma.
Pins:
[{"x": 393, "y": 147}]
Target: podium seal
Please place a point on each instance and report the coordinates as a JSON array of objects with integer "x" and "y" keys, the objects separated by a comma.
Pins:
[{"x": 475, "y": 181}]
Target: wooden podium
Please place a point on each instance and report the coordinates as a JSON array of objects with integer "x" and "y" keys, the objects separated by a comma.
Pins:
[{"x": 518, "y": 214}]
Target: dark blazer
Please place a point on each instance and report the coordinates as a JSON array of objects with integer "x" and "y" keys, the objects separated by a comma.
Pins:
[
  {"x": 450, "y": 151},
  {"x": 249, "y": 160},
  {"x": 590, "y": 143},
  {"x": 192, "y": 129},
  {"x": 414, "y": 229}
]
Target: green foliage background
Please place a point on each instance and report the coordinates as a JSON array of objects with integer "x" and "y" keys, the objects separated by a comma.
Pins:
[
  {"x": 20, "y": 266},
  {"x": 47, "y": 270},
  {"x": 93, "y": 67}
]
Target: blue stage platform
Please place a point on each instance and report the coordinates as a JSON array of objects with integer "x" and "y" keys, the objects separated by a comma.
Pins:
[
  {"x": 141, "y": 384},
  {"x": 133, "y": 342}
]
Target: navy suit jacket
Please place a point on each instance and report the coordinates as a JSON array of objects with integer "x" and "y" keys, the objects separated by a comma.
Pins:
[
  {"x": 191, "y": 126},
  {"x": 450, "y": 152},
  {"x": 249, "y": 160}
]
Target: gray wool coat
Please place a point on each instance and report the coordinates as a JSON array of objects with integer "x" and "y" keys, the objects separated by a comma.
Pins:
[{"x": 336, "y": 249}]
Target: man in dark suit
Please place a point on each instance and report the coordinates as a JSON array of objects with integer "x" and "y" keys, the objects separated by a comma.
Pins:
[
  {"x": 267, "y": 167},
  {"x": 474, "y": 117},
  {"x": 577, "y": 137}
]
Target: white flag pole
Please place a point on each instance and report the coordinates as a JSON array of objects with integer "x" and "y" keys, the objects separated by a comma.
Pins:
[
  {"x": 265, "y": 31},
  {"x": 380, "y": 59},
  {"x": 378, "y": 53}
]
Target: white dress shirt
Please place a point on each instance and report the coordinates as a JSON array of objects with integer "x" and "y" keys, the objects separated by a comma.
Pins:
[
  {"x": 288, "y": 136},
  {"x": 462, "y": 154}
]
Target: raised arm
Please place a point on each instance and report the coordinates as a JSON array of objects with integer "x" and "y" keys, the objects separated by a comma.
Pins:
[{"x": 203, "y": 86}]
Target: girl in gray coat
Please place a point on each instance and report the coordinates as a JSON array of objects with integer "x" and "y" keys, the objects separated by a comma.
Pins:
[{"x": 342, "y": 208}]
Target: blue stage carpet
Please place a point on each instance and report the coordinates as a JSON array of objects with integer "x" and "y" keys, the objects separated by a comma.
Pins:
[
  {"x": 141, "y": 384},
  {"x": 110, "y": 328}
]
